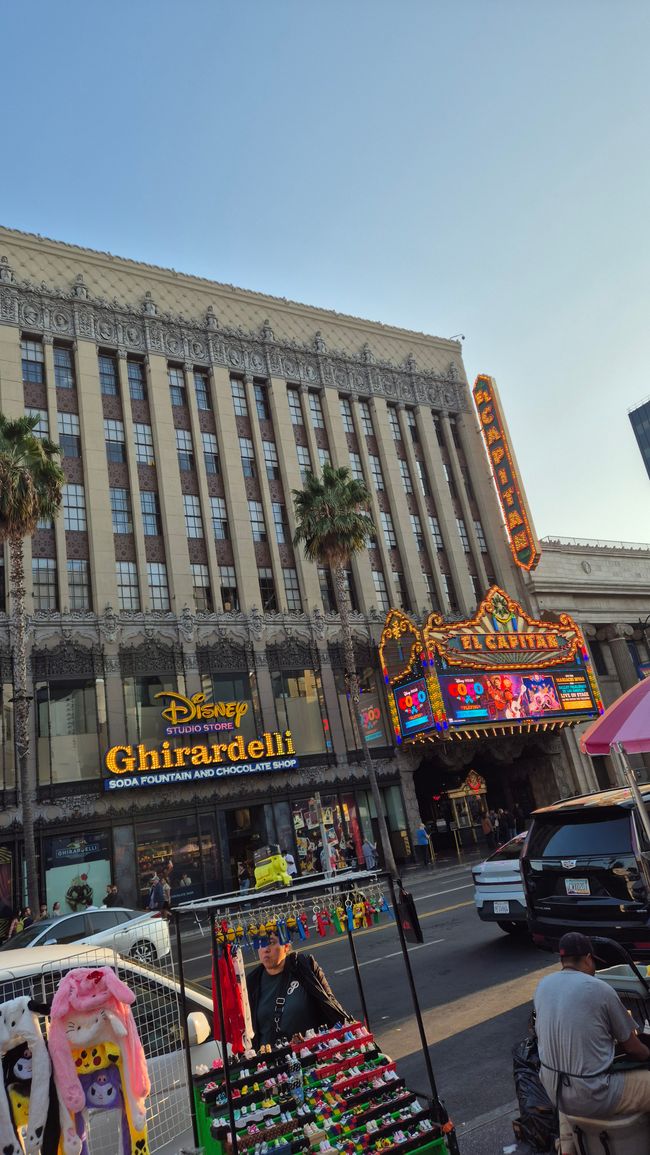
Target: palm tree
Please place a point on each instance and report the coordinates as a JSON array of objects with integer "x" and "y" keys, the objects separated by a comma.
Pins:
[
  {"x": 31, "y": 487},
  {"x": 333, "y": 524}
]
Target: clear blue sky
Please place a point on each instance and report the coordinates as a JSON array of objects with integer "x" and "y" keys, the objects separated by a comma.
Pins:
[{"x": 474, "y": 166}]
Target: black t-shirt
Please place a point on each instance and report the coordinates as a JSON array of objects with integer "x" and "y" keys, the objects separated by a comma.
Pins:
[{"x": 297, "y": 1013}]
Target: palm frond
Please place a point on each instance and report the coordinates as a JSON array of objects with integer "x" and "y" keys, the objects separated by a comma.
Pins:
[
  {"x": 332, "y": 516},
  {"x": 31, "y": 477}
]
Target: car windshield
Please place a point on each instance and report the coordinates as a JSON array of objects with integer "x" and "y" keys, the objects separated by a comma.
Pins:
[
  {"x": 27, "y": 937},
  {"x": 511, "y": 849},
  {"x": 573, "y": 835}
]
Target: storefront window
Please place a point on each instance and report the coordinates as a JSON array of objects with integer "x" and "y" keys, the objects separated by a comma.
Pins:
[
  {"x": 143, "y": 712},
  {"x": 171, "y": 846},
  {"x": 284, "y": 827},
  {"x": 7, "y": 752},
  {"x": 236, "y": 688},
  {"x": 209, "y": 847},
  {"x": 341, "y": 823},
  {"x": 371, "y": 710},
  {"x": 248, "y": 830},
  {"x": 67, "y": 730},
  {"x": 77, "y": 870},
  {"x": 298, "y": 708},
  {"x": 6, "y": 890}
]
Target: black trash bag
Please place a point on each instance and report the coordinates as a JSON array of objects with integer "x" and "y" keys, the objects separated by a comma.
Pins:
[{"x": 538, "y": 1122}]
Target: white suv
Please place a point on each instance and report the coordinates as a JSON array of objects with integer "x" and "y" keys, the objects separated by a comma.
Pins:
[
  {"x": 142, "y": 936},
  {"x": 499, "y": 889}
]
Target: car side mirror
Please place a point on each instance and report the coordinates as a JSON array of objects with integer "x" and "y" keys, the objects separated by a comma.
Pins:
[
  {"x": 198, "y": 1028},
  {"x": 50, "y": 942}
]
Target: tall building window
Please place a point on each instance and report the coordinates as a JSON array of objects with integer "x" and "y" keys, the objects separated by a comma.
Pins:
[
  {"x": 316, "y": 410},
  {"x": 598, "y": 657},
  {"x": 449, "y": 477},
  {"x": 261, "y": 402},
  {"x": 462, "y": 533},
  {"x": 74, "y": 507},
  {"x": 413, "y": 425},
  {"x": 405, "y": 474},
  {"x": 192, "y": 511},
  {"x": 258, "y": 524},
  {"x": 434, "y": 526},
  {"x": 393, "y": 419},
  {"x": 425, "y": 488},
  {"x": 416, "y": 526},
  {"x": 176, "y": 379},
  {"x": 467, "y": 481},
  {"x": 450, "y": 590},
  {"x": 295, "y": 408},
  {"x": 298, "y": 698},
  {"x": 185, "y": 449},
  {"x": 114, "y": 438},
  {"x": 403, "y": 600},
  {"x": 247, "y": 457},
  {"x": 327, "y": 589},
  {"x": 440, "y": 437},
  {"x": 44, "y": 583},
  {"x": 78, "y": 584},
  {"x": 151, "y": 524},
  {"x": 69, "y": 434},
  {"x": 455, "y": 432},
  {"x": 219, "y": 518},
  {"x": 33, "y": 360},
  {"x": 292, "y": 590},
  {"x": 202, "y": 388},
  {"x": 157, "y": 582},
  {"x": 128, "y": 593},
  {"x": 137, "y": 379},
  {"x": 108, "y": 378},
  {"x": 356, "y": 468},
  {"x": 346, "y": 415},
  {"x": 352, "y": 590},
  {"x": 271, "y": 460},
  {"x": 366, "y": 418},
  {"x": 239, "y": 397},
  {"x": 480, "y": 535},
  {"x": 379, "y": 583},
  {"x": 43, "y": 428},
  {"x": 229, "y": 593},
  {"x": 267, "y": 590},
  {"x": 432, "y": 592},
  {"x": 476, "y": 586},
  {"x": 304, "y": 462},
  {"x": 324, "y": 458},
  {"x": 202, "y": 590},
  {"x": 121, "y": 511},
  {"x": 279, "y": 522},
  {"x": 375, "y": 469},
  {"x": 143, "y": 441},
  {"x": 63, "y": 367},
  {"x": 388, "y": 528},
  {"x": 210, "y": 452}
]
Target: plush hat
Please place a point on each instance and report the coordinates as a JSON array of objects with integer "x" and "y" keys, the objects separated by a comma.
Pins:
[{"x": 19, "y": 1024}]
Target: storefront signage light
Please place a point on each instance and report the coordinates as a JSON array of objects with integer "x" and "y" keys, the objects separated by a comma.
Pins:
[
  {"x": 524, "y": 545},
  {"x": 194, "y": 715}
]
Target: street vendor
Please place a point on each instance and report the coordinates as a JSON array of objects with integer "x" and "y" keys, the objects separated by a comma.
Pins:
[
  {"x": 579, "y": 1020},
  {"x": 289, "y": 994}
]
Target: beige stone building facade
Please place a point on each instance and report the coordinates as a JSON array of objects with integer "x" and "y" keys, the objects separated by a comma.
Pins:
[{"x": 188, "y": 412}]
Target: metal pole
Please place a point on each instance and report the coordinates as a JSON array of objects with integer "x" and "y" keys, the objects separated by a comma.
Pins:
[
  {"x": 186, "y": 1041},
  {"x": 630, "y": 778},
  {"x": 323, "y": 832},
  {"x": 357, "y": 972},
  {"x": 222, "y": 1026}
]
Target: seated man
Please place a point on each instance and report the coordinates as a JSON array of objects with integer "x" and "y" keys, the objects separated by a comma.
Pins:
[{"x": 579, "y": 1019}]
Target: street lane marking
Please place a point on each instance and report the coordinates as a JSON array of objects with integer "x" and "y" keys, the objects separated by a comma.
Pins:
[
  {"x": 466, "y": 886},
  {"x": 344, "y": 970}
]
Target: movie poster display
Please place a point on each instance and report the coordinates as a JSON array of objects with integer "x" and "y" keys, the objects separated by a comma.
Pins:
[{"x": 77, "y": 870}]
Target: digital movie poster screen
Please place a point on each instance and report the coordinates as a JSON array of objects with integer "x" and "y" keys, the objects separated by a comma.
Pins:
[
  {"x": 482, "y": 697},
  {"x": 414, "y": 707}
]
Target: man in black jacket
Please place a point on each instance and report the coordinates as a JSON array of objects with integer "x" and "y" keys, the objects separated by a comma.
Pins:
[{"x": 289, "y": 994}]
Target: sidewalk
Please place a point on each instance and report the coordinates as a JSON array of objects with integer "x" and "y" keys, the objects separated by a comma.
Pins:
[{"x": 492, "y": 1134}]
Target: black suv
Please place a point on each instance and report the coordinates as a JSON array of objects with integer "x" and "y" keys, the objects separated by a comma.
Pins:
[{"x": 586, "y": 866}]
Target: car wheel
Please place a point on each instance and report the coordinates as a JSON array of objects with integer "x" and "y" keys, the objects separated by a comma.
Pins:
[
  {"x": 513, "y": 927},
  {"x": 144, "y": 951}
]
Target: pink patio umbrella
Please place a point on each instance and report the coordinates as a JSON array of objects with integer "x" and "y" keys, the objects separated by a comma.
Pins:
[{"x": 624, "y": 729}]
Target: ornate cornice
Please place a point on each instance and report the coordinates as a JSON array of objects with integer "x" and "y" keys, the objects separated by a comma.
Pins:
[{"x": 73, "y": 314}]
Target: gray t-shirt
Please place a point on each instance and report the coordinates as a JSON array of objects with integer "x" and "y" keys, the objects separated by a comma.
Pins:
[{"x": 579, "y": 1018}]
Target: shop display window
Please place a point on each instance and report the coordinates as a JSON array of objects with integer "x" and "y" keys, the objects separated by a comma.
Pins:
[
  {"x": 68, "y": 731},
  {"x": 299, "y": 708},
  {"x": 171, "y": 846},
  {"x": 77, "y": 870},
  {"x": 7, "y": 751},
  {"x": 371, "y": 710},
  {"x": 144, "y": 719},
  {"x": 239, "y": 687},
  {"x": 211, "y": 872},
  {"x": 6, "y": 890},
  {"x": 341, "y": 822},
  {"x": 247, "y": 830}
]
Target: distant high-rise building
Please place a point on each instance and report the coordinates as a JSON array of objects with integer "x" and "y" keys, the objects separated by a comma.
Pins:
[{"x": 640, "y": 418}]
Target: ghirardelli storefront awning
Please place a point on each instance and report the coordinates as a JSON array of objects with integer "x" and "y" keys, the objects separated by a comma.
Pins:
[{"x": 498, "y": 671}]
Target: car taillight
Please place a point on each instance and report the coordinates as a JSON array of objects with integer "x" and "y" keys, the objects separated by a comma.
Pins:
[{"x": 156, "y": 914}]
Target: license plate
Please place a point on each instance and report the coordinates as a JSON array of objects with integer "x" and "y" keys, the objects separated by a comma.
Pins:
[
  {"x": 502, "y": 908},
  {"x": 577, "y": 885}
]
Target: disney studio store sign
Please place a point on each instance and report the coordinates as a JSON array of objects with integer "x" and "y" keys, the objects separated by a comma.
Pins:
[{"x": 183, "y": 758}]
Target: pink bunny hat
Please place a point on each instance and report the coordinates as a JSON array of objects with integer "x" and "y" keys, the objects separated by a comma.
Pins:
[{"x": 85, "y": 990}]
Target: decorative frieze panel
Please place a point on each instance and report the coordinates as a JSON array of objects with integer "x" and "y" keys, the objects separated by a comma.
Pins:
[
  {"x": 150, "y": 658},
  {"x": 226, "y": 655},
  {"x": 67, "y": 660}
]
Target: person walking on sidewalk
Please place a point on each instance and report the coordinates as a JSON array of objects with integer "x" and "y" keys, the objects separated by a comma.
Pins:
[
  {"x": 579, "y": 1019},
  {"x": 423, "y": 845},
  {"x": 488, "y": 831}
]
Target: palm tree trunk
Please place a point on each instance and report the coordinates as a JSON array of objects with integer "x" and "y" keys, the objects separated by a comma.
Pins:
[
  {"x": 27, "y": 784},
  {"x": 348, "y": 650}
]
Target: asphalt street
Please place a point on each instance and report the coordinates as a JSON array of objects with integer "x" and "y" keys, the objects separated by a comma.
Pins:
[{"x": 475, "y": 986}]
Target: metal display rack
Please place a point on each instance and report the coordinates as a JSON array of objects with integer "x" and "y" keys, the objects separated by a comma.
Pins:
[{"x": 243, "y": 903}]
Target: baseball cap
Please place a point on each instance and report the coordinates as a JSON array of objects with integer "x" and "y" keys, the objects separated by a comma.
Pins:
[{"x": 575, "y": 945}]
